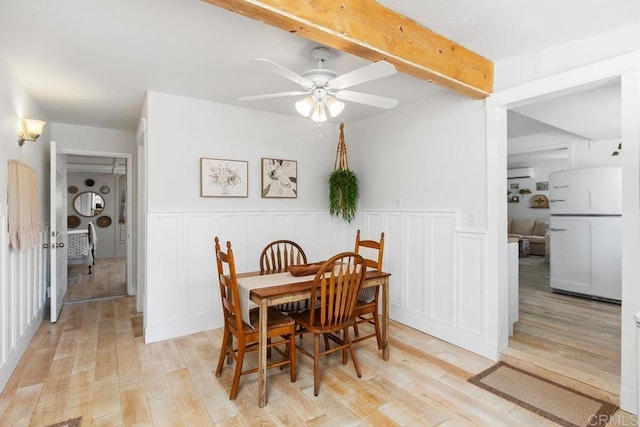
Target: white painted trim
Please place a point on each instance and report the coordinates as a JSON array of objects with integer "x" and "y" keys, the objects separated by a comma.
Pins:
[
  {"x": 561, "y": 83},
  {"x": 549, "y": 87}
]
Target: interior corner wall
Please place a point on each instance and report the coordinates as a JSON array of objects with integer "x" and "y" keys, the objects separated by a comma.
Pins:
[
  {"x": 23, "y": 274},
  {"x": 422, "y": 169}
]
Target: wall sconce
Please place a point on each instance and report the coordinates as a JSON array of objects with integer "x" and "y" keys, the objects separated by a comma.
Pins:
[{"x": 30, "y": 130}]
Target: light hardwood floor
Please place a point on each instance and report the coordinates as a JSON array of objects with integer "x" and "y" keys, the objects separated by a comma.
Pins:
[
  {"x": 92, "y": 364},
  {"x": 108, "y": 279},
  {"x": 571, "y": 340}
]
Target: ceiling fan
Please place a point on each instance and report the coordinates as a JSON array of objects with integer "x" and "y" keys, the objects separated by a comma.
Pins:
[{"x": 324, "y": 88}]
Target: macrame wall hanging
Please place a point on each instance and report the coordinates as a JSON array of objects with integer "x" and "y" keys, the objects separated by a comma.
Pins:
[{"x": 343, "y": 184}]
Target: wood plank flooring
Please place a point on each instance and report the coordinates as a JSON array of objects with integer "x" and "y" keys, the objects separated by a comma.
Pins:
[
  {"x": 93, "y": 364},
  {"x": 572, "y": 340},
  {"x": 108, "y": 279},
  {"x": 90, "y": 364}
]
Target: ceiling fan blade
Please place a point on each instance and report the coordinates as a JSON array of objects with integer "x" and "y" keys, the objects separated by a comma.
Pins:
[
  {"x": 368, "y": 99},
  {"x": 361, "y": 75},
  {"x": 287, "y": 74},
  {"x": 273, "y": 95}
]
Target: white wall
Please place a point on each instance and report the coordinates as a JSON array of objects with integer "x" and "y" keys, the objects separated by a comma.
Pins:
[
  {"x": 183, "y": 130},
  {"x": 23, "y": 277},
  {"x": 88, "y": 138},
  {"x": 429, "y": 154}
]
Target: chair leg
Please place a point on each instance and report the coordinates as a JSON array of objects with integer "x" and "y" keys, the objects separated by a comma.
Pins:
[
  {"x": 347, "y": 339},
  {"x": 223, "y": 351},
  {"x": 238, "y": 371},
  {"x": 230, "y": 344},
  {"x": 316, "y": 350},
  {"x": 344, "y": 348},
  {"x": 376, "y": 324},
  {"x": 355, "y": 329},
  {"x": 291, "y": 347}
]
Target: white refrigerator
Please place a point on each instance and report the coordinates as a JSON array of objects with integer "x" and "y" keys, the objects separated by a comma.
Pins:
[{"x": 585, "y": 231}]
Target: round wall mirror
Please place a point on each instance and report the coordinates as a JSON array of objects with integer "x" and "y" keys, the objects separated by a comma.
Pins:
[{"x": 89, "y": 203}]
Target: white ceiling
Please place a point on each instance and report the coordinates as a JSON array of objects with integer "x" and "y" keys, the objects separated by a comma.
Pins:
[{"x": 90, "y": 62}]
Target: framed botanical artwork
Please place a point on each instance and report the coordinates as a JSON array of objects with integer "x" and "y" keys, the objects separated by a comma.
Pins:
[
  {"x": 542, "y": 186},
  {"x": 279, "y": 178},
  {"x": 224, "y": 178}
]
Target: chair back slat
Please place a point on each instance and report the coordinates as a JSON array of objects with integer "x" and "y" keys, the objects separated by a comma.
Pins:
[
  {"x": 280, "y": 254},
  {"x": 371, "y": 247},
  {"x": 228, "y": 281},
  {"x": 336, "y": 291}
]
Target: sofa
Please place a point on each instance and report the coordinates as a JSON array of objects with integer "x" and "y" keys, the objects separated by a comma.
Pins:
[{"x": 533, "y": 230}]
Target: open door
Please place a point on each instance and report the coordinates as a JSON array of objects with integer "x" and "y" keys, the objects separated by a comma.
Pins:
[{"x": 58, "y": 220}]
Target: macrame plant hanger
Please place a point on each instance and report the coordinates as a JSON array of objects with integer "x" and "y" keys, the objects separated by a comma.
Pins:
[{"x": 341, "y": 152}]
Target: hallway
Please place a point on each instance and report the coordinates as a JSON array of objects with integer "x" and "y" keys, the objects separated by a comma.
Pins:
[{"x": 108, "y": 279}]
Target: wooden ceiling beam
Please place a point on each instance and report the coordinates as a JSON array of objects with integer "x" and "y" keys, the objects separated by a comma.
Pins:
[{"x": 372, "y": 31}]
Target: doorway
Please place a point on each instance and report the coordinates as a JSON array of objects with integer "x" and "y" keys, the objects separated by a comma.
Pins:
[
  {"x": 624, "y": 68},
  {"x": 98, "y": 246},
  {"x": 573, "y": 340}
]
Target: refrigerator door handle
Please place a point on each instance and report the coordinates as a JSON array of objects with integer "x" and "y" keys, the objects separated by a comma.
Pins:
[{"x": 557, "y": 229}]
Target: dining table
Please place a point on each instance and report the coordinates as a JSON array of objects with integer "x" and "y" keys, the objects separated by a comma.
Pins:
[{"x": 270, "y": 288}]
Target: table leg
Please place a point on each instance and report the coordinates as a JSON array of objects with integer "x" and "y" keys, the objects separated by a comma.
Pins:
[
  {"x": 385, "y": 319},
  {"x": 262, "y": 350}
]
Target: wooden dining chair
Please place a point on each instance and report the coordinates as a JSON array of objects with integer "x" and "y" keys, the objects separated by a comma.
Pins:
[
  {"x": 366, "y": 310},
  {"x": 280, "y": 254},
  {"x": 277, "y": 256},
  {"x": 336, "y": 293},
  {"x": 278, "y": 325}
]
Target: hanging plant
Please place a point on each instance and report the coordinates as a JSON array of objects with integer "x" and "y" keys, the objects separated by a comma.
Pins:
[{"x": 343, "y": 184}]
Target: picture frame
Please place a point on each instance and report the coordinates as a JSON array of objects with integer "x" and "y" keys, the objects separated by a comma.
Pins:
[
  {"x": 224, "y": 178},
  {"x": 542, "y": 186},
  {"x": 514, "y": 186},
  {"x": 279, "y": 178}
]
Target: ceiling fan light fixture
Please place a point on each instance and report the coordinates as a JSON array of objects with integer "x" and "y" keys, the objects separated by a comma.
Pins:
[
  {"x": 335, "y": 107},
  {"x": 305, "y": 106},
  {"x": 319, "y": 113}
]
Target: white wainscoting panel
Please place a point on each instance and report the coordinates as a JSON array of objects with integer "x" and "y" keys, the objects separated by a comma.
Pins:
[
  {"x": 438, "y": 282},
  {"x": 441, "y": 282},
  {"x": 416, "y": 256},
  {"x": 23, "y": 283}
]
